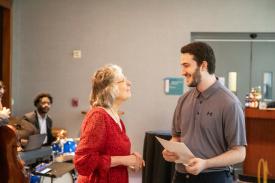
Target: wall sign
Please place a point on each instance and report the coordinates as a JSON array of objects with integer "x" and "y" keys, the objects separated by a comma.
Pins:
[{"x": 173, "y": 86}]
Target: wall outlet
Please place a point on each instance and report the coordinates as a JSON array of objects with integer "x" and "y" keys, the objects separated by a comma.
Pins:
[{"x": 77, "y": 54}]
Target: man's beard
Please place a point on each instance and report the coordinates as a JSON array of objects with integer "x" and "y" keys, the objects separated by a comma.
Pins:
[
  {"x": 43, "y": 110},
  {"x": 196, "y": 78}
]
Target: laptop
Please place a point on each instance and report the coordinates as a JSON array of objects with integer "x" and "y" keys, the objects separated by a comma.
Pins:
[{"x": 35, "y": 142}]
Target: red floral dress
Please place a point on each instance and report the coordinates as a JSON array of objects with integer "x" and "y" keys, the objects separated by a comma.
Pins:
[{"x": 101, "y": 137}]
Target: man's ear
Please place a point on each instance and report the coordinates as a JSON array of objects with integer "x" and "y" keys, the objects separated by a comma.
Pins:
[{"x": 204, "y": 66}]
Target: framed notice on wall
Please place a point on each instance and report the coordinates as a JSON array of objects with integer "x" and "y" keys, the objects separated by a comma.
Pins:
[{"x": 173, "y": 86}]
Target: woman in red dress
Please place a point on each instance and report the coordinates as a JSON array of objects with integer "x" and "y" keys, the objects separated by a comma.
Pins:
[{"x": 103, "y": 154}]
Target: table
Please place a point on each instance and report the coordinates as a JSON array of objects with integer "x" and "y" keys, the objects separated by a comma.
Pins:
[
  {"x": 37, "y": 155},
  {"x": 57, "y": 170},
  {"x": 156, "y": 169}
]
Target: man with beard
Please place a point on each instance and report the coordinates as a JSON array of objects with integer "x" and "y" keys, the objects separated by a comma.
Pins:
[
  {"x": 208, "y": 119},
  {"x": 40, "y": 118}
]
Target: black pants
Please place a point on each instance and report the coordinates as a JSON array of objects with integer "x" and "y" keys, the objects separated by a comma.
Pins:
[{"x": 209, "y": 177}]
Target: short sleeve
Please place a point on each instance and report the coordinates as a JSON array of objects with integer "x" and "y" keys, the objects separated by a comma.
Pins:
[
  {"x": 234, "y": 124},
  {"x": 176, "y": 129}
]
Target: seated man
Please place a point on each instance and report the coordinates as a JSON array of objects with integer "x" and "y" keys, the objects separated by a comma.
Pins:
[{"x": 40, "y": 118}]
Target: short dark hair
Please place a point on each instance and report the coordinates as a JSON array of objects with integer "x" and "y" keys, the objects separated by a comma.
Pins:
[
  {"x": 40, "y": 96},
  {"x": 201, "y": 52}
]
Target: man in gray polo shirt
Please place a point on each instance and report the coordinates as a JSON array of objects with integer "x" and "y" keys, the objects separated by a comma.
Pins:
[{"x": 208, "y": 119}]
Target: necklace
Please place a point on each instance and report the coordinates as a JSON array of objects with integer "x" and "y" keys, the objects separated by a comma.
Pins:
[{"x": 115, "y": 115}]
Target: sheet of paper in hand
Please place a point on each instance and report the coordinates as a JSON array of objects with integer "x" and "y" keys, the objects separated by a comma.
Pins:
[{"x": 179, "y": 148}]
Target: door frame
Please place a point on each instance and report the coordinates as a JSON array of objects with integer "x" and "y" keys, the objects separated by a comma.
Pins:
[{"x": 6, "y": 60}]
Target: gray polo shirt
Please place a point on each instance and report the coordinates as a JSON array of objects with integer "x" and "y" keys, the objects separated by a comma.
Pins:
[{"x": 209, "y": 123}]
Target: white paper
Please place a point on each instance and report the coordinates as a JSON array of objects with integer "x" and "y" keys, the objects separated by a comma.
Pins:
[{"x": 179, "y": 148}]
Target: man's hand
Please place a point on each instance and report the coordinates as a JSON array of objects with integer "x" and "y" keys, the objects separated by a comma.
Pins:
[
  {"x": 5, "y": 113},
  {"x": 169, "y": 156},
  {"x": 195, "y": 166}
]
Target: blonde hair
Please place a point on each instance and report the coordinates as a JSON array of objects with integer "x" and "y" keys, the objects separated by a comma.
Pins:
[{"x": 104, "y": 91}]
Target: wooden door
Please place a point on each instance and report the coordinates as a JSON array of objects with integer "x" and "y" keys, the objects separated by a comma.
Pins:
[{"x": 5, "y": 49}]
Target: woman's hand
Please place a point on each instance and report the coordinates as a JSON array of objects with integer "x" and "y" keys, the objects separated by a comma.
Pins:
[
  {"x": 135, "y": 161},
  {"x": 141, "y": 162}
]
